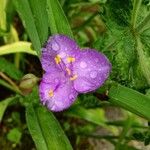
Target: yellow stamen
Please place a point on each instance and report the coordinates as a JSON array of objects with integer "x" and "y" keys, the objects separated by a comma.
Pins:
[
  {"x": 68, "y": 71},
  {"x": 51, "y": 93},
  {"x": 57, "y": 59},
  {"x": 70, "y": 59},
  {"x": 74, "y": 77}
]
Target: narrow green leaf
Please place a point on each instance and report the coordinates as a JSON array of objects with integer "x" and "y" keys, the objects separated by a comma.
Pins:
[
  {"x": 130, "y": 100},
  {"x": 4, "y": 104},
  {"x": 10, "y": 69},
  {"x": 95, "y": 116},
  {"x": 45, "y": 130},
  {"x": 41, "y": 19},
  {"x": 24, "y": 10},
  {"x": 58, "y": 22}
]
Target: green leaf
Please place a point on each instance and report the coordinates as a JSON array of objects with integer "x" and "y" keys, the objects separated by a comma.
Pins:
[
  {"x": 95, "y": 116},
  {"x": 27, "y": 17},
  {"x": 14, "y": 135},
  {"x": 57, "y": 20},
  {"x": 10, "y": 69},
  {"x": 4, "y": 104},
  {"x": 45, "y": 129},
  {"x": 130, "y": 100}
]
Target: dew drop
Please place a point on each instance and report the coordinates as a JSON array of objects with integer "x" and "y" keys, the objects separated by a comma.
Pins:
[
  {"x": 93, "y": 74},
  {"x": 83, "y": 64},
  {"x": 55, "y": 46},
  {"x": 56, "y": 81}
]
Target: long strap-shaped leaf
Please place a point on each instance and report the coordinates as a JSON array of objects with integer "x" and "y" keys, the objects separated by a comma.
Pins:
[
  {"x": 130, "y": 100},
  {"x": 45, "y": 129},
  {"x": 57, "y": 19}
]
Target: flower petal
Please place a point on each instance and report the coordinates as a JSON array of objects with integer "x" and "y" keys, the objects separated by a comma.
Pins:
[
  {"x": 56, "y": 92},
  {"x": 92, "y": 69}
]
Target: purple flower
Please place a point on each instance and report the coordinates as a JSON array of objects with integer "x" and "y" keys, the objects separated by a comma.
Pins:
[{"x": 69, "y": 71}]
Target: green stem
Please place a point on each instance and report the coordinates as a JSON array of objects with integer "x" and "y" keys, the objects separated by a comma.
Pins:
[
  {"x": 136, "y": 7},
  {"x": 14, "y": 86},
  {"x": 8, "y": 86},
  {"x": 22, "y": 47}
]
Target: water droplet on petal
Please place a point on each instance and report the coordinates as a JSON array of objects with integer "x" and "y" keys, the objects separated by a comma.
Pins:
[
  {"x": 93, "y": 74},
  {"x": 56, "y": 81},
  {"x": 55, "y": 46},
  {"x": 83, "y": 64}
]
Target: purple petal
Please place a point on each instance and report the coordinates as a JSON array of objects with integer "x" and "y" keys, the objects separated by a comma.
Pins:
[
  {"x": 56, "y": 92},
  {"x": 92, "y": 69}
]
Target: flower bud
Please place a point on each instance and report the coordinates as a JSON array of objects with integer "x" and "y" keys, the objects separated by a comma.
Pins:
[{"x": 28, "y": 82}]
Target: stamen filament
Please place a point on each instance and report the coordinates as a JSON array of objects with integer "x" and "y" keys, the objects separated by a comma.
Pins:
[{"x": 74, "y": 77}]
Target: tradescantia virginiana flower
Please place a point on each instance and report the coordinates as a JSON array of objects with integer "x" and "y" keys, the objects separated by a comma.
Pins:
[{"x": 69, "y": 71}]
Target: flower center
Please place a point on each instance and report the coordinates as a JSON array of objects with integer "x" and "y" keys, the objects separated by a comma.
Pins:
[
  {"x": 57, "y": 59},
  {"x": 51, "y": 93},
  {"x": 70, "y": 59}
]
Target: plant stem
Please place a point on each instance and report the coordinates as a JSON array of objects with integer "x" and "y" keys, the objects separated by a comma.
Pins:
[
  {"x": 10, "y": 82},
  {"x": 136, "y": 7}
]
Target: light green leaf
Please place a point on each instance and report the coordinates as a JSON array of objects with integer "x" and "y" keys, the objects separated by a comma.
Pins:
[
  {"x": 57, "y": 20},
  {"x": 95, "y": 115},
  {"x": 130, "y": 100},
  {"x": 45, "y": 129}
]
